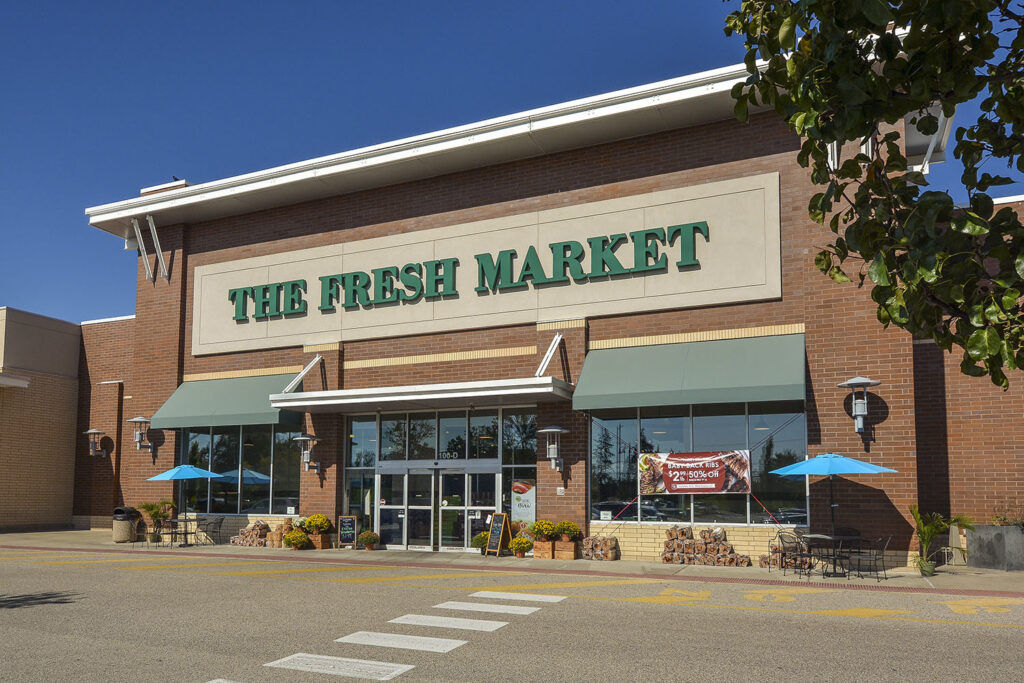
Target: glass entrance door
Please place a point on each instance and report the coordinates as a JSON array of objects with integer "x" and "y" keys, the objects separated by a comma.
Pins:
[
  {"x": 452, "y": 519},
  {"x": 421, "y": 505}
]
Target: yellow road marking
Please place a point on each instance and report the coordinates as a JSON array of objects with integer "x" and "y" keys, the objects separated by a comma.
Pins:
[
  {"x": 673, "y": 596},
  {"x": 412, "y": 577},
  {"x": 974, "y": 605},
  {"x": 261, "y": 572},
  {"x": 781, "y": 594},
  {"x": 104, "y": 561},
  {"x": 236, "y": 563},
  {"x": 863, "y": 612},
  {"x": 561, "y": 584},
  {"x": 37, "y": 556}
]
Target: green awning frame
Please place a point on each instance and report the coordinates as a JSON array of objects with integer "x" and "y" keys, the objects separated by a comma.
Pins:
[
  {"x": 225, "y": 403},
  {"x": 693, "y": 373}
]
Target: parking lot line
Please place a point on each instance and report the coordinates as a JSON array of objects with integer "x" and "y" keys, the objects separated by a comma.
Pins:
[
  {"x": 402, "y": 642},
  {"x": 486, "y": 607},
  {"x": 449, "y": 622},
  {"x": 341, "y": 666}
]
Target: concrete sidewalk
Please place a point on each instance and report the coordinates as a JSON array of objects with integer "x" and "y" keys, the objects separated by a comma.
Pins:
[{"x": 948, "y": 580}]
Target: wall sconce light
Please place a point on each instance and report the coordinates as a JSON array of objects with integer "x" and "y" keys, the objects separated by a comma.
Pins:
[
  {"x": 859, "y": 407},
  {"x": 553, "y": 436},
  {"x": 306, "y": 443},
  {"x": 141, "y": 429},
  {"x": 94, "y": 442}
]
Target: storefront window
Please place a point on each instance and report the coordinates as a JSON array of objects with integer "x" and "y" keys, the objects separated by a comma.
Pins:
[
  {"x": 359, "y": 497},
  {"x": 224, "y": 460},
  {"x": 777, "y": 436},
  {"x": 392, "y": 437},
  {"x": 197, "y": 453},
  {"x": 392, "y": 489},
  {"x": 422, "y": 436},
  {"x": 519, "y": 436},
  {"x": 483, "y": 434},
  {"x": 362, "y": 441},
  {"x": 665, "y": 430},
  {"x": 613, "y": 448},
  {"x": 451, "y": 428},
  {"x": 286, "y": 467},
  {"x": 720, "y": 427},
  {"x": 255, "y": 475}
]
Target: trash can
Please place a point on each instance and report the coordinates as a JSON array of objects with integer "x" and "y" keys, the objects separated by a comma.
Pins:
[{"x": 125, "y": 521}]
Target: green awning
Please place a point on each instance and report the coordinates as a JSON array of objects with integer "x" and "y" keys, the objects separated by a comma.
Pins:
[
  {"x": 725, "y": 371},
  {"x": 225, "y": 402}
]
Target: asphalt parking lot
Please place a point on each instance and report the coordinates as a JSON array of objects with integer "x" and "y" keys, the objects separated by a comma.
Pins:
[{"x": 153, "y": 616}]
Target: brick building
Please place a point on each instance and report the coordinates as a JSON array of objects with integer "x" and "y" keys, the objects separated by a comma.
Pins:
[{"x": 635, "y": 268}]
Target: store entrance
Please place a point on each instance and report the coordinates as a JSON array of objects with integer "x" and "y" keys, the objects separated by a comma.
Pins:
[{"x": 435, "y": 509}]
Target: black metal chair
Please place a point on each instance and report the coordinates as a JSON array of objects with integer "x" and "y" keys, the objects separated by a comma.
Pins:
[
  {"x": 210, "y": 526},
  {"x": 870, "y": 557},
  {"x": 794, "y": 549}
]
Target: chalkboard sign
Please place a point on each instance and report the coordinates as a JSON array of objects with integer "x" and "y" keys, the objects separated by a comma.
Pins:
[
  {"x": 500, "y": 534},
  {"x": 348, "y": 527}
]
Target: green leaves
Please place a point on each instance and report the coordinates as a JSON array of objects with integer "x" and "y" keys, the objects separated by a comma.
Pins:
[{"x": 858, "y": 70}]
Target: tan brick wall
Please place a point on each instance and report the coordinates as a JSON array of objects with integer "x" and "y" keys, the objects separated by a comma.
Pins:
[
  {"x": 37, "y": 452},
  {"x": 646, "y": 542}
]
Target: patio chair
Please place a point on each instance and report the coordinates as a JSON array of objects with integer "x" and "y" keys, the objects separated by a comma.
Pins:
[
  {"x": 871, "y": 558},
  {"x": 794, "y": 549},
  {"x": 210, "y": 526}
]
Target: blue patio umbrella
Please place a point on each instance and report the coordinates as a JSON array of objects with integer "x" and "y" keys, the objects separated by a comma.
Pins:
[
  {"x": 248, "y": 477},
  {"x": 830, "y": 464},
  {"x": 185, "y": 472}
]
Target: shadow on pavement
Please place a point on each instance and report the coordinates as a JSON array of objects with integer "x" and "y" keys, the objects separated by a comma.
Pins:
[{"x": 34, "y": 599}]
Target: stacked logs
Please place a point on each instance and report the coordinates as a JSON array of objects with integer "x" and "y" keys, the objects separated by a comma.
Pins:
[
  {"x": 776, "y": 559},
  {"x": 254, "y": 535},
  {"x": 600, "y": 548},
  {"x": 709, "y": 548}
]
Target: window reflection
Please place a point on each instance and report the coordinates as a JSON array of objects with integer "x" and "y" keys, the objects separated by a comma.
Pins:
[
  {"x": 777, "y": 438},
  {"x": 362, "y": 441},
  {"x": 255, "y": 473},
  {"x": 451, "y": 429},
  {"x": 392, "y": 437},
  {"x": 613, "y": 461},
  {"x": 483, "y": 434},
  {"x": 519, "y": 436},
  {"x": 422, "y": 436}
]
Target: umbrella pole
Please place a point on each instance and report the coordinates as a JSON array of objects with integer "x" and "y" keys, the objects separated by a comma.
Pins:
[{"x": 832, "y": 504}]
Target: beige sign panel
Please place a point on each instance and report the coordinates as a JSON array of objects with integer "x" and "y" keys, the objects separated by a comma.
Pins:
[{"x": 738, "y": 261}]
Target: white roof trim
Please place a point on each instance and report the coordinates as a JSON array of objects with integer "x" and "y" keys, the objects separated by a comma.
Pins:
[
  {"x": 1008, "y": 200},
  {"x": 108, "y": 320},
  {"x": 426, "y": 396},
  {"x": 664, "y": 105}
]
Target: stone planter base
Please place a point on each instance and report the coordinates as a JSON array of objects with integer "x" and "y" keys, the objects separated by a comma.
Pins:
[
  {"x": 566, "y": 550},
  {"x": 544, "y": 550},
  {"x": 320, "y": 541}
]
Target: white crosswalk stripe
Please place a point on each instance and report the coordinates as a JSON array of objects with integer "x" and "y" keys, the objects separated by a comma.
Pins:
[
  {"x": 487, "y": 607},
  {"x": 341, "y": 666},
  {"x": 526, "y": 597},
  {"x": 401, "y": 641},
  {"x": 449, "y": 622}
]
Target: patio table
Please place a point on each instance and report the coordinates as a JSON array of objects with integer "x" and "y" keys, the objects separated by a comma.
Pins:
[
  {"x": 180, "y": 526},
  {"x": 833, "y": 542}
]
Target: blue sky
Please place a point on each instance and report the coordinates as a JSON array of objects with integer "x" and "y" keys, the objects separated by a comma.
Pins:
[{"x": 101, "y": 99}]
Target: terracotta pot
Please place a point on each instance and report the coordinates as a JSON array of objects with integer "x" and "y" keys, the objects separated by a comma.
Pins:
[
  {"x": 520, "y": 554},
  {"x": 565, "y": 538},
  {"x": 369, "y": 546}
]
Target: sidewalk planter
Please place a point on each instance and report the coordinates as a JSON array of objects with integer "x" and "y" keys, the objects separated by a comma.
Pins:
[
  {"x": 996, "y": 547},
  {"x": 368, "y": 539},
  {"x": 320, "y": 541},
  {"x": 565, "y": 550},
  {"x": 544, "y": 550}
]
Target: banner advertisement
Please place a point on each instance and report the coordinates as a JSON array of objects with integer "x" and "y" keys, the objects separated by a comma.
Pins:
[
  {"x": 722, "y": 472},
  {"x": 524, "y": 500}
]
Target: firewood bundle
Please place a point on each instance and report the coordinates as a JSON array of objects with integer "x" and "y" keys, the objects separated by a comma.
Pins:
[
  {"x": 600, "y": 548},
  {"x": 254, "y": 535},
  {"x": 711, "y": 550}
]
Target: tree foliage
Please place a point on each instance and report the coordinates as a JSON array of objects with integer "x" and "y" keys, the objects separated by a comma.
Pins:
[{"x": 846, "y": 74}]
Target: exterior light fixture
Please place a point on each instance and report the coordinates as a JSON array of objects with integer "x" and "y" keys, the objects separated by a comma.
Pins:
[
  {"x": 860, "y": 400},
  {"x": 306, "y": 443},
  {"x": 141, "y": 435},
  {"x": 553, "y": 436},
  {"x": 94, "y": 442}
]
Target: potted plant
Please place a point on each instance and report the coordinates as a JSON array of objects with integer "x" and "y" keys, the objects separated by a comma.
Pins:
[
  {"x": 480, "y": 541},
  {"x": 520, "y": 545},
  {"x": 368, "y": 539},
  {"x": 543, "y": 533},
  {"x": 569, "y": 531},
  {"x": 296, "y": 539},
  {"x": 316, "y": 527},
  {"x": 158, "y": 514},
  {"x": 929, "y": 526}
]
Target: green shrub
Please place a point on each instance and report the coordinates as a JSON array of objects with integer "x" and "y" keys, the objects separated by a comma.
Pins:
[
  {"x": 571, "y": 529},
  {"x": 368, "y": 538},
  {"x": 542, "y": 529},
  {"x": 520, "y": 544},
  {"x": 296, "y": 539},
  {"x": 317, "y": 524},
  {"x": 480, "y": 540}
]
